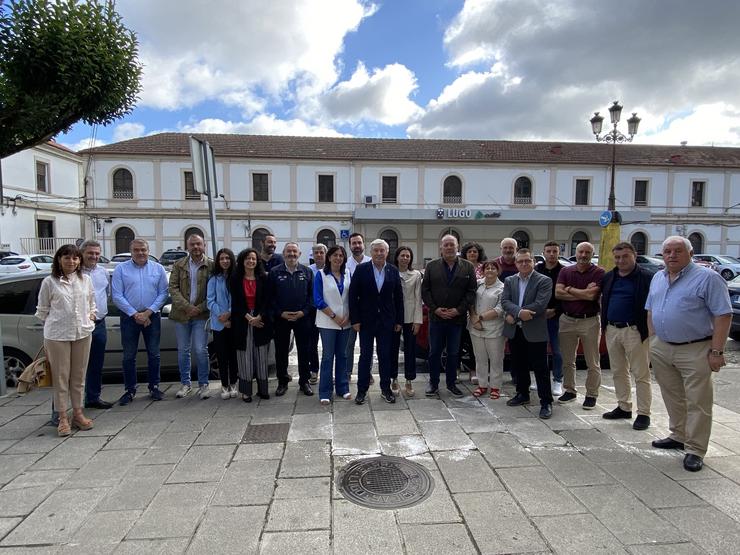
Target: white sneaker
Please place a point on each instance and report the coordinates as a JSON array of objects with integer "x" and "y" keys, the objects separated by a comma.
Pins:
[
  {"x": 233, "y": 391},
  {"x": 225, "y": 393},
  {"x": 204, "y": 392},
  {"x": 557, "y": 388},
  {"x": 184, "y": 391},
  {"x": 533, "y": 387}
]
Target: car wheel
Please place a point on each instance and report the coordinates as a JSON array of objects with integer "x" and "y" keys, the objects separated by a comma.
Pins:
[
  {"x": 727, "y": 274},
  {"x": 735, "y": 335},
  {"x": 15, "y": 363}
]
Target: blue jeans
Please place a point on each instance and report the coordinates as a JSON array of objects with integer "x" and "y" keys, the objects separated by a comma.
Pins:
[
  {"x": 130, "y": 331},
  {"x": 553, "y": 330},
  {"x": 351, "y": 340},
  {"x": 409, "y": 352},
  {"x": 94, "y": 376},
  {"x": 441, "y": 335},
  {"x": 192, "y": 335},
  {"x": 334, "y": 352}
]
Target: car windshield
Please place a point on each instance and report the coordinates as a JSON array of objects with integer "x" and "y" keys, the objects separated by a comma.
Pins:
[
  {"x": 729, "y": 259},
  {"x": 120, "y": 258},
  {"x": 11, "y": 261},
  {"x": 736, "y": 280}
]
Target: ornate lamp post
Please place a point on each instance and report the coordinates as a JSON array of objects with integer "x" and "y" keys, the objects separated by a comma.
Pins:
[{"x": 611, "y": 233}]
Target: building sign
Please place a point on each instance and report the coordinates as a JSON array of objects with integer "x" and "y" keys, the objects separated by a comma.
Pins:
[{"x": 465, "y": 214}]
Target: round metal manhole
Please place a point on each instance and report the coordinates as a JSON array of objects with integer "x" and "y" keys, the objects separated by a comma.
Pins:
[{"x": 385, "y": 482}]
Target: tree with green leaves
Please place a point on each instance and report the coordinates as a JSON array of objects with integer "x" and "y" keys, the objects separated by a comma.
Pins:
[{"x": 62, "y": 61}]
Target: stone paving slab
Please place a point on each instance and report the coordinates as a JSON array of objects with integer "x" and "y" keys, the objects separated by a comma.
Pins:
[
  {"x": 397, "y": 423},
  {"x": 247, "y": 483},
  {"x": 136, "y": 489},
  {"x": 571, "y": 467},
  {"x": 203, "y": 463},
  {"x": 466, "y": 471},
  {"x": 437, "y": 508},
  {"x": 102, "y": 532},
  {"x": 403, "y": 446},
  {"x": 581, "y": 534},
  {"x": 305, "y": 459},
  {"x": 296, "y": 543},
  {"x": 229, "y": 530},
  {"x": 445, "y": 436},
  {"x": 707, "y": 527},
  {"x": 437, "y": 539},
  {"x": 539, "y": 492},
  {"x": 349, "y": 519},
  {"x": 74, "y": 452},
  {"x": 502, "y": 450}
]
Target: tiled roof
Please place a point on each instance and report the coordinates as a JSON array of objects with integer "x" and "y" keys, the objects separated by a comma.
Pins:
[{"x": 425, "y": 150}]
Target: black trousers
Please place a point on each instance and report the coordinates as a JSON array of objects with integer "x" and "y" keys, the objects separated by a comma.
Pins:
[
  {"x": 223, "y": 344},
  {"x": 302, "y": 332},
  {"x": 313, "y": 363},
  {"x": 526, "y": 356}
]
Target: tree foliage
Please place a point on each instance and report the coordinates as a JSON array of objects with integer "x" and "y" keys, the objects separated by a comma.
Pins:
[{"x": 62, "y": 61}]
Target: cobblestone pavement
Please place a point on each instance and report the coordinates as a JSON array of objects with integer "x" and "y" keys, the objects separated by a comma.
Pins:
[{"x": 173, "y": 476}]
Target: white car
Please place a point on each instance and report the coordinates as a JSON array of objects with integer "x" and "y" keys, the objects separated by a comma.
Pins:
[
  {"x": 24, "y": 263},
  {"x": 117, "y": 259}
]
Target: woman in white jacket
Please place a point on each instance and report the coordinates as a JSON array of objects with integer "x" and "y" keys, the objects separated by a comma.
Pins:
[
  {"x": 66, "y": 305},
  {"x": 486, "y": 326},
  {"x": 412, "y": 320},
  {"x": 331, "y": 298}
]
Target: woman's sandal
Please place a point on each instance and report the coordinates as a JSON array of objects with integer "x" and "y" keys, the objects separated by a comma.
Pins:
[
  {"x": 63, "y": 428},
  {"x": 478, "y": 391},
  {"x": 82, "y": 423},
  {"x": 495, "y": 393}
]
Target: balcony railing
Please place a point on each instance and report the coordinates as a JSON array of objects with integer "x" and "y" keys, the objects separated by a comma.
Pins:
[
  {"x": 45, "y": 245},
  {"x": 452, "y": 199},
  {"x": 522, "y": 200},
  {"x": 123, "y": 193}
]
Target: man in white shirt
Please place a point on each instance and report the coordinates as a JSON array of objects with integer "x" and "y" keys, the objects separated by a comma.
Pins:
[
  {"x": 357, "y": 248},
  {"x": 318, "y": 252}
]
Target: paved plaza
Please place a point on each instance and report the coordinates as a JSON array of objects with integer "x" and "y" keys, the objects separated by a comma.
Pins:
[{"x": 175, "y": 476}]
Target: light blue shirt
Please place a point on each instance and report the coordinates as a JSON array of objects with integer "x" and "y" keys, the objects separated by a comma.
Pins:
[
  {"x": 101, "y": 284},
  {"x": 379, "y": 276},
  {"x": 137, "y": 288},
  {"x": 218, "y": 300},
  {"x": 685, "y": 309},
  {"x": 523, "y": 282}
]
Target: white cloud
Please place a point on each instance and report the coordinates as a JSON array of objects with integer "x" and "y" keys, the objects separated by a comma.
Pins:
[
  {"x": 128, "y": 130},
  {"x": 381, "y": 95},
  {"x": 264, "y": 124},
  {"x": 83, "y": 144}
]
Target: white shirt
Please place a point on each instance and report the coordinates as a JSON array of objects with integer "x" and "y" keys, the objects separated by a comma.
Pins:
[
  {"x": 66, "y": 306},
  {"x": 352, "y": 263},
  {"x": 101, "y": 285},
  {"x": 488, "y": 297}
]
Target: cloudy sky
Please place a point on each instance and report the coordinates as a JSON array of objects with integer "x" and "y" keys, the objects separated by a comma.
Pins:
[{"x": 491, "y": 69}]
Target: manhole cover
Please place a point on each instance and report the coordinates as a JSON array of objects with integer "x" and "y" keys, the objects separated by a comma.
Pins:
[
  {"x": 385, "y": 483},
  {"x": 266, "y": 433}
]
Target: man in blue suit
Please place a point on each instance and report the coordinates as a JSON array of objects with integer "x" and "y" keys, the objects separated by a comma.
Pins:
[
  {"x": 525, "y": 298},
  {"x": 375, "y": 311}
]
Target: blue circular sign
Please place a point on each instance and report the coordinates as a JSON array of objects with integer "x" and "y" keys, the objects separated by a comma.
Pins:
[{"x": 605, "y": 218}]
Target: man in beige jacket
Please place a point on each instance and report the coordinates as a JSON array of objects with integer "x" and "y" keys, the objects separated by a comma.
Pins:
[{"x": 188, "y": 284}]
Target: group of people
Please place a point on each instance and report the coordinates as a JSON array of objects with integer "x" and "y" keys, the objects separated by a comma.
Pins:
[{"x": 678, "y": 320}]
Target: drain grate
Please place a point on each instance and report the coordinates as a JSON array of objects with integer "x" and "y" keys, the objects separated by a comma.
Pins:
[
  {"x": 385, "y": 482},
  {"x": 266, "y": 433}
]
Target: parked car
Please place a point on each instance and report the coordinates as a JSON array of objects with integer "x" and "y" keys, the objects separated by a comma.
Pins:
[
  {"x": 25, "y": 263},
  {"x": 170, "y": 256},
  {"x": 3, "y": 254},
  {"x": 703, "y": 263},
  {"x": 650, "y": 263},
  {"x": 116, "y": 259},
  {"x": 734, "y": 288},
  {"x": 594, "y": 259},
  {"x": 727, "y": 266}
]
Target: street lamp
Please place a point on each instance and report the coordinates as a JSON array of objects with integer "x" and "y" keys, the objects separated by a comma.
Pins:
[{"x": 614, "y": 136}]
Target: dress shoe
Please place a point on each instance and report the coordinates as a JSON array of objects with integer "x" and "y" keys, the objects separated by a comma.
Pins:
[
  {"x": 589, "y": 403},
  {"x": 281, "y": 390},
  {"x": 692, "y": 463},
  {"x": 455, "y": 391},
  {"x": 99, "y": 404},
  {"x": 306, "y": 389},
  {"x": 616, "y": 414},
  {"x": 388, "y": 396},
  {"x": 546, "y": 411},
  {"x": 667, "y": 443},
  {"x": 518, "y": 400},
  {"x": 360, "y": 397},
  {"x": 642, "y": 422}
]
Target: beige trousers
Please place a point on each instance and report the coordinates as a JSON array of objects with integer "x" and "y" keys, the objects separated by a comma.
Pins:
[
  {"x": 629, "y": 354},
  {"x": 68, "y": 360},
  {"x": 489, "y": 360},
  {"x": 588, "y": 331},
  {"x": 685, "y": 380}
]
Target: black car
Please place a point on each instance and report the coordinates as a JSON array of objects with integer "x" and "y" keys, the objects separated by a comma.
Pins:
[{"x": 734, "y": 288}]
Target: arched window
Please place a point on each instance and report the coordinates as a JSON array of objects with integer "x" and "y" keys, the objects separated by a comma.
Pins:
[
  {"x": 124, "y": 236},
  {"x": 258, "y": 238},
  {"x": 523, "y": 191},
  {"x": 192, "y": 231},
  {"x": 578, "y": 237},
  {"x": 697, "y": 242},
  {"x": 522, "y": 239},
  {"x": 452, "y": 190},
  {"x": 123, "y": 184},
  {"x": 453, "y": 232},
  {"x": 390, "y": 237},
  {"x": 327, "y": 237},
  {"x": 639, "y": 241}
]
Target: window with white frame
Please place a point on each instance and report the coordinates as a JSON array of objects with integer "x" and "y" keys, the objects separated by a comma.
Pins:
[
  {"x": 452, "y": 190},
  {"x": 389, "y": 189},
  {"x": 260, "y": 187},
  {"x": 641, "y": 192},
  {"x": 42, "y": 177},
  {"x": 523, "y": 190},
  {"x": 190, "y": 192},
  {"x": 582, "y": 190},
  {"x": 326, "y": 188},
  {"x": 697, "y": 193}
]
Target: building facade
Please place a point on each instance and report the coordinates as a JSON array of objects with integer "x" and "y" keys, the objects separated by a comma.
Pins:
[
  {"x": 42, "y": 199},
  {"x": 411, "y": 192}
]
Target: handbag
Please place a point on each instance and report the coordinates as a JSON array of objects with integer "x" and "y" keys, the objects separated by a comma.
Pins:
[{"x": 36, "y": 374}]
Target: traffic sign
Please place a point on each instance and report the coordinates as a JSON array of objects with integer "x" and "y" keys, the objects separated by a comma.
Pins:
[{"x": 605, "y": 218}]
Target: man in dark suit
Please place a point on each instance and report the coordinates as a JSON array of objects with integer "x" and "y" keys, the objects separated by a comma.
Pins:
[
  {"x": 375, "y": 311},
  {"x": 448, "y": 290},
  {"x": 525, "y": 298}
]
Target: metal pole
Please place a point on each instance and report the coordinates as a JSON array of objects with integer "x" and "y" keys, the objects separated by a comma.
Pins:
[
  {"x": 211, "y": 207},
  {"x": 612, "y": 196}
]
